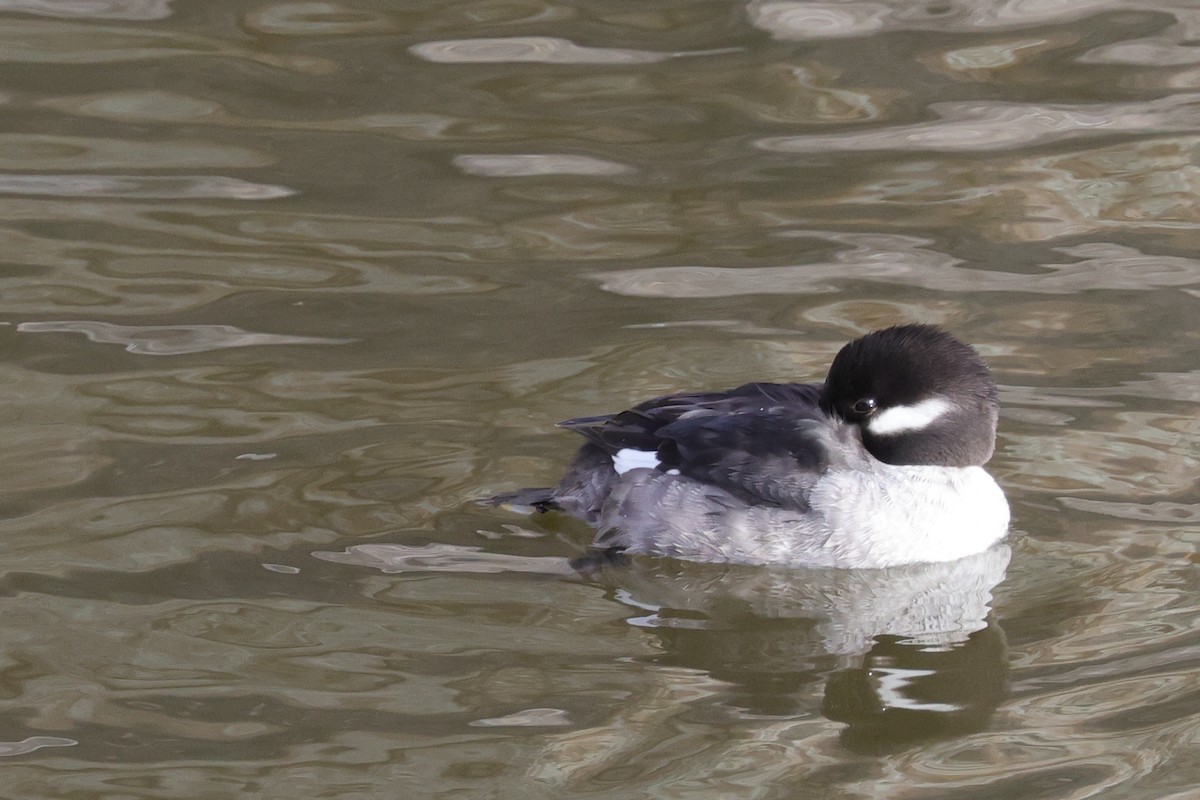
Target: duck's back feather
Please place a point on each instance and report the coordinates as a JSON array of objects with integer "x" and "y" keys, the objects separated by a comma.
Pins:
[{"x": 761, "y": 443}]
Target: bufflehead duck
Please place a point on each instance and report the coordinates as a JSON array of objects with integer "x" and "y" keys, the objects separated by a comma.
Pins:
[{"x": 878, "y": 466}]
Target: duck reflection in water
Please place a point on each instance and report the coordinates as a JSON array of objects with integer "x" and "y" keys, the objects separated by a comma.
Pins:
[
  {"x": 906, "y": 654},
  {"x": 917, "y": 654}
]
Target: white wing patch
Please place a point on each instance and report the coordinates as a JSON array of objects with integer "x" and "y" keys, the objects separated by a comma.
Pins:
[
  {"x": 627, "y": 458},
  {"x": 902, "y": 419}
]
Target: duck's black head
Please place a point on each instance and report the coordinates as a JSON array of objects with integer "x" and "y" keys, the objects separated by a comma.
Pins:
[{"x": 919, "y": 395}]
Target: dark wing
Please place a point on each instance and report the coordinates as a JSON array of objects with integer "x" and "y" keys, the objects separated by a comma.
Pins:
[
  {"x": 762, "y": 442},
  {"x": 756, "y": 455},
  {"x": 637, "y": 427}
]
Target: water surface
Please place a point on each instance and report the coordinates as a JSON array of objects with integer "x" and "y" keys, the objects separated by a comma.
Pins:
[{"x": 287, "y": 286}]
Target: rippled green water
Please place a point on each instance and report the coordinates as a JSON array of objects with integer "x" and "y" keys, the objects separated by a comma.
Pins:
[{"x": 286, "y": 286}]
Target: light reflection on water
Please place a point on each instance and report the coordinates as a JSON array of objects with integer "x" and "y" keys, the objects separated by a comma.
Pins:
[
  {"x": 538, "y": 49},
  {"x": 339, "y": 267}
]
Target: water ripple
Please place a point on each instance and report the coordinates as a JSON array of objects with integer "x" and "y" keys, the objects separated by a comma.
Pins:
[
  {"x": 1125, "y": 186},
  {"x": 159, "y": 187},
  {"x": 170, "y": 340},
  {"x": 392, "y": 558},
  {"x": 906, "y": 260},
  {"x": 64, "y": 43},
  {"x": 800, "y": 21},
  {"x": 32, "y": 743},
  {"x": 91, "y": 9},
  {"x": 46, "y": 152},
  {"x": 505, "y": 166},
  {"x": 156, "y": 106},
  {"x": 317, "y": 19},
  {"x": 985, "y": 126},
  {"x": 1182, "y": 386},
  {"x": 538, "y": 49},
  {"x": 1173, "y": 45},
  {"x": 529, "y": 718},
  {"x": 1162, "y": 511}
]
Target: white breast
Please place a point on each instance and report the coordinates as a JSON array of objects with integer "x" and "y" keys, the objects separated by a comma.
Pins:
[
  {"x": 900, "y": 515},
  {"x": 880, "y": 516}
]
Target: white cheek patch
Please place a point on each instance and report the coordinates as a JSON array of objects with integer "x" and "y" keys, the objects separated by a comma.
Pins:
[
  {"x": 902, "y": 419},
  {"x": 627, "y": 458}
]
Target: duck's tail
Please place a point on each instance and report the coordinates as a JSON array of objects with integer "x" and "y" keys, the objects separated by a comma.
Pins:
[{"x": 539, "y": 499}]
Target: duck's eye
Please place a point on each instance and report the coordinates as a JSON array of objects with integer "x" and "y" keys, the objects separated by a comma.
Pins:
[{"x": 864, "y": 407}]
